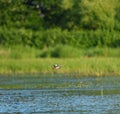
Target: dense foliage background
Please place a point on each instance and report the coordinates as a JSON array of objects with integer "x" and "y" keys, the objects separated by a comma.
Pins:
[{"x": 48, "y": 23}]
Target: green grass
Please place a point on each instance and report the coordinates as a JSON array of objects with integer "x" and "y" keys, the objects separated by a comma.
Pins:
[
  {"x": 96, "y": 66},
  {"x": 64, "y": 51},
  {"x": 27, "y": 60},
  {"x": 59, "y": 51}
]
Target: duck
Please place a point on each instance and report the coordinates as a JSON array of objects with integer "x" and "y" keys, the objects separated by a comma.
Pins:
[{"x": 56, "y": 66}]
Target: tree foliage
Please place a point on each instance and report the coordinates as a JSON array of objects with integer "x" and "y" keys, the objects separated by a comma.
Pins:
[
  {"x": 98, "y": 14},
  {"x": 67, "y": 14},
  {"x": 44, "y": 23}
]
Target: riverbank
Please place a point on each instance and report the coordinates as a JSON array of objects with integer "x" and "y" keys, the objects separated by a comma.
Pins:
[{"x": 83, "y": 66}]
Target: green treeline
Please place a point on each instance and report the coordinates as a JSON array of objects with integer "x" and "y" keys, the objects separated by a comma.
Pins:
[{"x": 48, "y": 23}]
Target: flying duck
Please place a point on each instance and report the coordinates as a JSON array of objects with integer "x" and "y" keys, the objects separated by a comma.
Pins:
[{"x": 56, "y": 66}]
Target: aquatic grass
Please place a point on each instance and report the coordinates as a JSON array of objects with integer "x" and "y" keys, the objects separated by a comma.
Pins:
[
  {"x": 97, "y": 66},
  {"x": 57, "y": 81}
]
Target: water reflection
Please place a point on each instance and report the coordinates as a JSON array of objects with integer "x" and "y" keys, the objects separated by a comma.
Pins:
[{"x": 69, "y": 95}]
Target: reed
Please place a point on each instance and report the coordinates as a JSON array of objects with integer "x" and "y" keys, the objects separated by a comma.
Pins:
[
  {"x": 83, "y": 66},
  {"x": 59, "y": 51}
]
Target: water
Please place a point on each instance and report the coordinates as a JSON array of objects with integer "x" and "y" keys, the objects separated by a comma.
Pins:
[{"x": 60, "y": 95}]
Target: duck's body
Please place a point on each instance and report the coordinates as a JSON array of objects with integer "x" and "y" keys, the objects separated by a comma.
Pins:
[{"x": 56, "y": 66}]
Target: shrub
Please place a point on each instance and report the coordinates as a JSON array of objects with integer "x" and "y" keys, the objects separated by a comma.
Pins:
[
  {"x": 55, "y": 37},
  {"x": 62, "y": 51}
]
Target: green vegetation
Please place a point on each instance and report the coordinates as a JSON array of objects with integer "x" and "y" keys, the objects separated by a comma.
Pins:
[
  {"x": 59, "y": 51},
  {"x": 82, "y": 66},
  {"x": 54, "y": 37},
  {"x": 84, "y": 62},
  {"x": 43, "y": 24},
  {"x": 84, "y": 35},
  {"x": 27, "y": 60}
]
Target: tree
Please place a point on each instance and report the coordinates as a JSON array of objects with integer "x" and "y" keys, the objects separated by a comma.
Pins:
[
  {"x": 97, "y": 14},
  {"x": 117, "y": 16},
  {"x": 15, "y": 13},
  {"x": 66, "y": 14}
]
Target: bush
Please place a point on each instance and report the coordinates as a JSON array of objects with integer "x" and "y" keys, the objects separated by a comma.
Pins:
[
  {"x": 65, "y": 51},
  {"x": 62, "y": 51},
  {"x": 55, "y": 37}
]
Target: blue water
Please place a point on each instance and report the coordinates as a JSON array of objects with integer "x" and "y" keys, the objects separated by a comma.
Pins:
[{"x": 95, "y": 96}]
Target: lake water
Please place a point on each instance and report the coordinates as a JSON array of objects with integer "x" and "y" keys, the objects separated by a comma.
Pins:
[{"x": 59, "y": 94}]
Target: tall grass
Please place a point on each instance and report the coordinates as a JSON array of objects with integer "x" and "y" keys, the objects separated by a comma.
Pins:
[
  {"x": 93, "y": 61},
  {"x": 60, "y": 51},
  {"x": 65, "y": 51},
  {"x": 18, "y": 52},
  {"x": 82, "y": 66}
]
